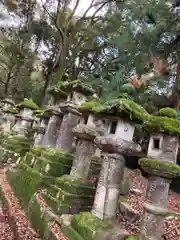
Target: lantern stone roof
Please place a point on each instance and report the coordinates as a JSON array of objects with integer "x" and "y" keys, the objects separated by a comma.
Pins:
[
  {"x": 28, "y": 103},
  {"x": 127, "y": 109},
  {"x": 8, "y": 100},
  {"x": 63, "y": 88}
]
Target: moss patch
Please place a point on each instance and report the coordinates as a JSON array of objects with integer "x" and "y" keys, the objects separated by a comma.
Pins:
[
  {"x": 160, "y": 167},
  {"x": 168, "y": 112},
  {"x": 28, "y": 104},
  {"x": 25, "y": 181},
  {"x": 11, "y": 110},
  {"x": 89, "y": 105},
  {"x": 88, "y": 225},
  {"x": 69, "y": 86}
]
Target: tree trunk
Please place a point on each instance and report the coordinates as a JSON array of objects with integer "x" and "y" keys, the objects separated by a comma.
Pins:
[
  {"x": 6, "y": 87},
  {"x": 46, "y": 84}
]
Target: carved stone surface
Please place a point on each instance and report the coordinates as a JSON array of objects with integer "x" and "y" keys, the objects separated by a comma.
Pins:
[
  {"x": 40, "y": 133},
  {"x": 81, "y": 164},
  {"x": 115, "y": 144},
  {"x": 66, "y": 136},
  {"x": 108, "y": 189},
  {"x": 50, "y": 136},
  {"x": 85, "y": 132},
  {"x": 167, "y": 149}
]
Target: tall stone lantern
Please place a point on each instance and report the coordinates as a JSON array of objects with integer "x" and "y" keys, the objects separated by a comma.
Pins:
[
  {"x": 161, "y": 167},
  {"x": 55, "y": 116},
  {"x": 115, "y": 146},
  {"x": 77, "y": 94}
]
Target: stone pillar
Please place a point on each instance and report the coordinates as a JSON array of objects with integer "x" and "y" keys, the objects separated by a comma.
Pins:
[
  {"x": 85, "y": 149},
  {"x": 70, "y": 120},
  {"x": 108, "y": 189},
  {"x": 40, "y": 132},
  {"x": 52, "y": 129},
  {"x": 161, "y": 171},
  {"x": 24, "y": 121}
]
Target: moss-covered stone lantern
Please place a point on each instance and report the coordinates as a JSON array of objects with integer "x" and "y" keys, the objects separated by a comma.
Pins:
[
  {"x": 25, "y": 118},
  {"x": 41, "y": 128},
  {"x": 115, "y": 146},
  {"x": 161, "y": 167},
  {"x": 52, "y": 129},
  {"x": 77, "y": 94}
]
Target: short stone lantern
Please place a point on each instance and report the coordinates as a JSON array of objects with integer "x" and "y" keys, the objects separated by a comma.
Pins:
[
  {"x": 161, "y": 167},
  {"x": 77, "y": 94},
  {"x": 115, "y": 146},
  {"x": 25, "y": 118},
  {"x": 10, "y": 118},
  {"x": 7, "y": 114}
]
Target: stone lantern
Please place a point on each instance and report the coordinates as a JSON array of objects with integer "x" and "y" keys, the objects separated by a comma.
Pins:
[
  {"x": 52, "y": 129},
  {"x": 115, "y": 146},
  {"x": 7, "y": 114},
  {"x": 161, "y": 167},
  {"x": 77, "y": 94},
  {"x": 41, "y": 128},
  {"x": 25, "y": 117},
  {"x": 55, "y": 116},
  {"x": 91, "y": 125}
]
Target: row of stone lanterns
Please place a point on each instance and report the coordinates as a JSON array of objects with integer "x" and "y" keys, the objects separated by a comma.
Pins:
[{"x": 101, "y": 130}]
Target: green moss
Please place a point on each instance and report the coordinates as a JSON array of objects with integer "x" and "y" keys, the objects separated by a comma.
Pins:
[
  {"x": 75, "y": 185},
  {"x": 87, "y": 225},
  {"x": 11, "y": 110},
  {"x": 160, "y": 167},
  {"x": 39, "y": 219},
  {"x": 71, "y": 233},
  {"x": 127, "y": 88},
  {"x": 25, "y": 181},
  {"x": 132, "y": 238},
  {"x": 52, "y": 168},
  {"x": 17, "y": 143},
  {"x": 69, "y": 86},
  {"x": 89, "y": 105},
  {"x": 58, "y": 155},
  {"x": 168, "y": 112},
  {"x": 28, "y": 104}
]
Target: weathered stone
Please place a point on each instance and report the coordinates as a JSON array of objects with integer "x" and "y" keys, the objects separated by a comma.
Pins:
[
  {"x": 52, "y": 130},
  {"x": 115, "y": 144},
  {"x": 66, "y": 136},
  {"x": 85, "y": 132},
  {"x": 107, "y": 193},
  {"x": 128, "y": 212}
]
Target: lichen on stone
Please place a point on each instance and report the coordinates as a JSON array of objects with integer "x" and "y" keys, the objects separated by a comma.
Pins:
[
  {"x": 160, "y": 167},
  {"x": 28, "y": 103},
  {"x": 168, "y": 112}
]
